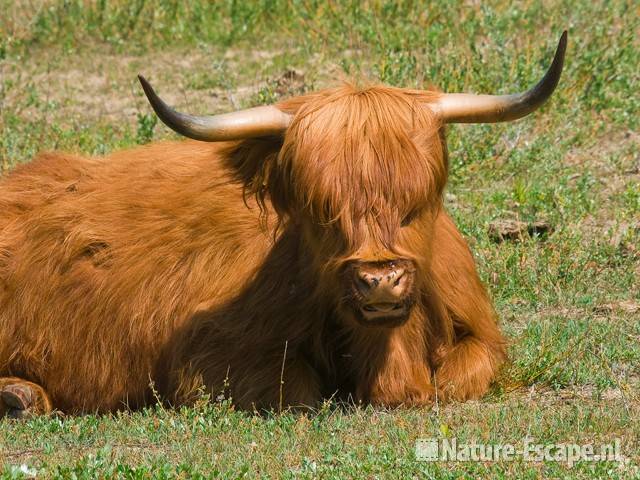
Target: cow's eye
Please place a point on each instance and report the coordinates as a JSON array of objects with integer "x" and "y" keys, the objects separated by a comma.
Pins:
[{"x": 406, "y": 221}]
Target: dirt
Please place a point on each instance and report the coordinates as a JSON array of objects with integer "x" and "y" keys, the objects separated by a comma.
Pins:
[
  {"x": 105, "y": 86},
  {"x": 515, "y": 230}
]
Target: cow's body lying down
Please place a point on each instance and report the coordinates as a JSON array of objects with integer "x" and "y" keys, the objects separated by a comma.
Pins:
[
  {"x": 104, "y": 261},
  {"x": 310, "y": 257},
  {"x": 115, "y": 271}
]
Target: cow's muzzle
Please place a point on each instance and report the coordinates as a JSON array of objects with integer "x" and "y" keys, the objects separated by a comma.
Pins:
[{"x": 382, "y": 292}]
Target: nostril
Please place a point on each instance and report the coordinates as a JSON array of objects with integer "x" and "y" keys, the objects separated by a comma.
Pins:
[
  {"x": 399, "y": 275},
  {"x": 366, "y": 281},
  {"x": 368, "y": 278}
]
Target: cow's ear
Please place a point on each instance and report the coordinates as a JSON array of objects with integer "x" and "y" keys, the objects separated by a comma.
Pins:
[{"x": 252, "y": 162}]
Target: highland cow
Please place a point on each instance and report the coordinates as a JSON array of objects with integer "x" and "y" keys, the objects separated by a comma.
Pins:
[{"x": 304, "y": 253}]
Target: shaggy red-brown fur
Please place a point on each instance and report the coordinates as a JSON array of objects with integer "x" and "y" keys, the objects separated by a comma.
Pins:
[{"x": 188, "y": 264}]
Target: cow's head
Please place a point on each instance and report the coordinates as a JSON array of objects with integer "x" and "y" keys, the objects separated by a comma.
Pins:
[{"x": 361, "y": 173}]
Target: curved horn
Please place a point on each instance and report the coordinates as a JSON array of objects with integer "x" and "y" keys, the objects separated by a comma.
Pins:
[
  {"x": 253, "y": 122},
  {"x": 469, "y": 108}
]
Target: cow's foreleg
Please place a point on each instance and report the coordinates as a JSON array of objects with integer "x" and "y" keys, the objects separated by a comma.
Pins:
[
  {"x": 252, "y": 382},
  {"x": 467, "y": 369},
  {"x": 292, "y": 384},
  {"x": 472, "y": 347},
  {"x": 22, "y": 399}
]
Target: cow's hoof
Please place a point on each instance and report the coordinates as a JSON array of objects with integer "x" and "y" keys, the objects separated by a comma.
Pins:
[
  {"x": 19, "y": 400},
  {"x": 19, "y": 414}
]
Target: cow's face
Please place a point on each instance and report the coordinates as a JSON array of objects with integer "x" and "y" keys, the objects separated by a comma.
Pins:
[{"x": 361, "y": 173}]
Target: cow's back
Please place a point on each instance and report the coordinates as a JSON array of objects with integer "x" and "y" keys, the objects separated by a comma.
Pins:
[{"x": 102, "y": 260}]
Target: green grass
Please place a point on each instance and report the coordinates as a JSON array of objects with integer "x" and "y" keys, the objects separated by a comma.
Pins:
[
  {"x": 569, "y": 301},
  {"x": 215, "y": 441}
]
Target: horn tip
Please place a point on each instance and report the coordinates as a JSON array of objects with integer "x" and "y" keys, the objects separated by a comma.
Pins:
[
  {"x": 562, "y": 44},
  {"x": 558, "y": 59},
  {"x": 143, "y": 81},
  {"x": 149, "y": 92}
]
